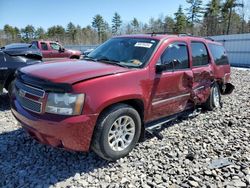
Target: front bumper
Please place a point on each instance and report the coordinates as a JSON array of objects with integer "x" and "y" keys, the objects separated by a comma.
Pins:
[{"x": 72, "y": 133}]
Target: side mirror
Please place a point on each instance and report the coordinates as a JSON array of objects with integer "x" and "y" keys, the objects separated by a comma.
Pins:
[
  {"x": 165, "y": 66},
  {"x": 160, "y": 68},
  {"x": 61, "y": 49}
]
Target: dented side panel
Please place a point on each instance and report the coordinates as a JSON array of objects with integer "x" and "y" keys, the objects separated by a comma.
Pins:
[
  {"x": 203, "y": 77},
  {"x": 170, "y": 92}
]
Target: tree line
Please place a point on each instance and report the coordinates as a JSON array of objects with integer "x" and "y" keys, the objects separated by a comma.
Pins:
[{"x": 215, "y": 18}]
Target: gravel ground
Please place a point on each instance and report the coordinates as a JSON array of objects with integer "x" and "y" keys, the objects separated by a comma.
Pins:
[{"x": 209, "y": 150}]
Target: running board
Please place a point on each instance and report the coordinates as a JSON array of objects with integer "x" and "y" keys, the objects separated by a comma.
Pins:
[{"x": 154, "y": 127}]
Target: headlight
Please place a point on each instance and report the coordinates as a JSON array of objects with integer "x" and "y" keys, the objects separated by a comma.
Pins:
[{"x": 65, "y": 104}]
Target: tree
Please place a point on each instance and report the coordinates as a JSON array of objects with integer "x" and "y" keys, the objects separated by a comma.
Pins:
[
  {"x": 212, "y": 17},
  {"x": 194, "y": 12},
  {"x": 56, "y": 33},
  {"x": 135, "y": 25},
  {"x": 169, "y": 24},
  {"x": 71, "y": 32},
  {"x": 28, "y": 33},
  {"x": 116, "y": 23},
  {"x": 180, "y": 21},
  {"x": 99, "y": 24},
  {"x": 228, "y": 10},
  {"x": 40, "y": 33}
]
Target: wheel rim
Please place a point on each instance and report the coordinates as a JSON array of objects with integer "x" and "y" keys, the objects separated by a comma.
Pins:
[
  {"x": 216, "y": 97},
  {"x": 121, "y": 133}
]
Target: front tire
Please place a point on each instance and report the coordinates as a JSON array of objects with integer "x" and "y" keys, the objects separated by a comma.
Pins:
[
  {"x": 117, "y": 131},
  {"x": 214, "y": 99}
]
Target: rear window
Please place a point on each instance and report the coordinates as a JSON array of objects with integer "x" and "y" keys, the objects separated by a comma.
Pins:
[{"x": 219, "y": 54}]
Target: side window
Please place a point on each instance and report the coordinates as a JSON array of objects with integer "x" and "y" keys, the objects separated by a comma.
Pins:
[
  {"x": 199, "y": 54},
  {"x": 175, "y": 56},
  {"x": 44, "y": 46},
  {"x": 55, "y": 46},
  {"x": 34, "y": 44},
  {"x": 219, "y": 54}
]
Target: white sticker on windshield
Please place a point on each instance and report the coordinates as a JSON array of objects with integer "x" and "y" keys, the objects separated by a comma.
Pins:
[{"x": 143, "y": 44}]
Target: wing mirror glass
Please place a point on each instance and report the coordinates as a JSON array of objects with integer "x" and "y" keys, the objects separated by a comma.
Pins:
[{"x": 166, "y": 66}]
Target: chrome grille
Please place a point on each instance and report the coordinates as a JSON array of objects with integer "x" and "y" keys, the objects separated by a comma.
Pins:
[
  {"x": 29, "y": 89},
  {"x": 29, "y": 104},
  {"x": 26, "y": 102}
]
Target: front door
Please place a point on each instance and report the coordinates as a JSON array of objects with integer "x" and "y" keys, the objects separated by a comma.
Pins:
[{"x": 172, "y": 87}]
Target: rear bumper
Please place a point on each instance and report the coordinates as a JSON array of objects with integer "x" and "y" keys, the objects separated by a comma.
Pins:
[{"x": 72, "y": 133}]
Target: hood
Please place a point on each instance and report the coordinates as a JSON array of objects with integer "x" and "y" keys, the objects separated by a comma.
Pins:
[{"x": 71, "y": 72}]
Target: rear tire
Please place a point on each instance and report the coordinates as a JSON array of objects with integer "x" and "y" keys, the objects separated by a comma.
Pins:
[
  {"x": 214, "y": 99},
  {"x": 117, "y": 131}
]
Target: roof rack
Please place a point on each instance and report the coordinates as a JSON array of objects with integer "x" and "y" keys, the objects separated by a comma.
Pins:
[
  {"x": 169, "y": 33},
  {"x": 209, "y": 38},
  {"x": 179, "y": 34}
]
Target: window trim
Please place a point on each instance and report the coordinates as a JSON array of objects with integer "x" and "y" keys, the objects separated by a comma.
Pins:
[
  {"x": 176, "y": 70},
  {"x": 208, "y": 54},
  {"x": 46, "y": 45},
  {"x": 212, "y": 55},
  {"x": 54, "y": 43}
]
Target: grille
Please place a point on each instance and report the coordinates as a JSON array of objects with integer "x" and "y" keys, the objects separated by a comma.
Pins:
[
  {"x": 31, "y": 90},
  {"x": 30, "y": 104}
]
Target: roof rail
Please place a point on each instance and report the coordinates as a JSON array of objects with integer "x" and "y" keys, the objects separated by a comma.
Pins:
[
  {"x": 179, "y": 34},
  {"x": 209, "y": 38},
  {"x": 168, "y": 33}
]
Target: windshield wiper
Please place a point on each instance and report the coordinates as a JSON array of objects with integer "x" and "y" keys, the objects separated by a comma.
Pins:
[
  {"x": 111, "y": 61},
  {"x": 89, "y": 58}
]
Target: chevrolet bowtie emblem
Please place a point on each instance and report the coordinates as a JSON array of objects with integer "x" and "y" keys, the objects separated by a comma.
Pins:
[{"x": 22, "y": 93}]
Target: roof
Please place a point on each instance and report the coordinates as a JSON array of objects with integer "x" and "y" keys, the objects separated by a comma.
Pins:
[{"x": 166, "y": 36}]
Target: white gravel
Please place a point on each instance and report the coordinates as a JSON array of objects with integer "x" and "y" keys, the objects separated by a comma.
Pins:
[{"x": 181, "y": 159}]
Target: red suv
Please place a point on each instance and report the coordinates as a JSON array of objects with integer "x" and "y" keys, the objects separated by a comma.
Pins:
[{"x": 127, "y": 85}]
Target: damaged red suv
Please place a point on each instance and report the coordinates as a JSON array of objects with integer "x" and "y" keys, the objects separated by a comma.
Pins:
[{"x": 128, "y": 85}]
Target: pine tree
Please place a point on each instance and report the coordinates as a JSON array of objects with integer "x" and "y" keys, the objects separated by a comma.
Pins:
[
  {"x": 180, "y": 21},
  {"x": 212, "y": 18},
  {"x": 135, "y": 25},
  {"x": 40, "y": 33},
  {"x": 116, "y": 23},
  {"x": 194, "y": 12},
  {"x": 99, "y": 24},
  {"x": 71, "y": 31},
  {"x": 169, "y": 24}
]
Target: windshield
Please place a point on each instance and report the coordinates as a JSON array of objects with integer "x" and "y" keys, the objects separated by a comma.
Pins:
[{"x": 130, "y": 52}]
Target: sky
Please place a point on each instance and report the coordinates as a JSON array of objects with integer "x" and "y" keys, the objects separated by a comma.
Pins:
[{"x": 46, "y": 13}]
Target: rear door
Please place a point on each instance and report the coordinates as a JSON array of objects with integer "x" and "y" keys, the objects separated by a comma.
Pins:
[
  {"x": 202, "y": 72},
  {"x": 45, "y": 49},
  {"x": 172, "y": 88},
  {"x": 220, "y": 60}
]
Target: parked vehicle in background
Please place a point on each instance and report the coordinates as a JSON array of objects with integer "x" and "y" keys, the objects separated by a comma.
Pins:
[
  {"x": 128, "y": 85},
  {"x": 52, "y": 49},
  {"x": 15, "y": 56}
]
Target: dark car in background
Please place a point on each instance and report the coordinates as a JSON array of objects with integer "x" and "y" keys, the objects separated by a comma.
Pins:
[{"x": 14, "y": 56}]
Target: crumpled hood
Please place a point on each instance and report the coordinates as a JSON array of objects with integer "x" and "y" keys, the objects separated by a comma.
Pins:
[{"x": 71, "y": 72}]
